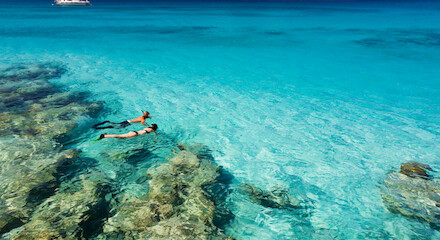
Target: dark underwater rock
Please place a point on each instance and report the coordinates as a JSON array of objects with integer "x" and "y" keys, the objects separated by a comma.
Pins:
[
  {"x": 397, "y": 38},
  {"x": 415, "y": 169},
  {"x": 219, "y": 193},
  {"x": 32, "y": 72},
  {"x": 411, "y": 193},
  {"x": 276, "y": 198},
  {"x": 9, "y": 221}
]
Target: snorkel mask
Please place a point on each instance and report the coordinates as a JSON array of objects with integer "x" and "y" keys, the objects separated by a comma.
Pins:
[{"x": 147, "y": 115}]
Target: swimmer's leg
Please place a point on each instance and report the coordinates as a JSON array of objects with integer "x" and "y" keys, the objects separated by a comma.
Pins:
[{"x": 99, "y": 124}]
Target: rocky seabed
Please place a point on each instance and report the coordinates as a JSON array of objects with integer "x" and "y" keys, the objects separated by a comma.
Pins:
[
  {"x": 46, "y": 192},
  {"x": 45, "y": 196}
]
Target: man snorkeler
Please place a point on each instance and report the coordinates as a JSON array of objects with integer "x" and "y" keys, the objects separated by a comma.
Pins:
[
  {"x": 124, "y": 124},
  {"x": 149, "y": 129}
]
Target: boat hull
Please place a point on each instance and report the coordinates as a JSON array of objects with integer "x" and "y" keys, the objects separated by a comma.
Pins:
[{"x": 73, "y": 4}]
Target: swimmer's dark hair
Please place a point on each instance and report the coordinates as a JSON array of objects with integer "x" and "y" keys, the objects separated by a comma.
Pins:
[{"x": 154, "y": 127}]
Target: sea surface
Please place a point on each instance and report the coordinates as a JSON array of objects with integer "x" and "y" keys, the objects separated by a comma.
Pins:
[{"x": 322, "y": 99}]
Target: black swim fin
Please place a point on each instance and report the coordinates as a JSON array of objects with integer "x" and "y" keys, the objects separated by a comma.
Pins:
[
  {"x": 96, "y": 125},
  {"x": 100, "y": 137}
]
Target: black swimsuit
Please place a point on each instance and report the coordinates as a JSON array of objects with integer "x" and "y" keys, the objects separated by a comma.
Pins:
[
  {"x": 141, "y": 130},
  {"x": 125, "y": 124}
]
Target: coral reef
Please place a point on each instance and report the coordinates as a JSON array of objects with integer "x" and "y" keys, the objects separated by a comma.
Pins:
[
  {"x": 176, "y": 207},
  {"x": 34, "y": 114},
  {"x": 411, "y": 193},
  {"x": 276, "y": 198}
]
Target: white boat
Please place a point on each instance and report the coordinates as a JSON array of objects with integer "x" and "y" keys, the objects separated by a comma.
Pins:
[{"x": 72, "y": 2}]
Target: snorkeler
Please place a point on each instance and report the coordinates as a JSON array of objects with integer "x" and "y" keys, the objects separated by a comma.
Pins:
[
  {"x": 124, "y": 124},
  {"x": 152, "y": 128}
]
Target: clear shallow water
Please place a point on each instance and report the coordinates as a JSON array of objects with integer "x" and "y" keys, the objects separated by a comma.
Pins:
[{"x": 323, "y": 99}]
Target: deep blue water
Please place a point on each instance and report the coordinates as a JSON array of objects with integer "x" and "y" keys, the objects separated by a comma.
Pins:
[{"x": 320, "y": 98}]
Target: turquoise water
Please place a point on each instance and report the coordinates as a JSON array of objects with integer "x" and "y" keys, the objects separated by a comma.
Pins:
[{"x": 323, "y": 99}]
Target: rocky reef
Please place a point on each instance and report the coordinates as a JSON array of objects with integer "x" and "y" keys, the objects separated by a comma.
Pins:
[
  {"x": 176, "y": 206},
  {"x": 50, "y": 192},
  {"x": 275, "y": 198},
  {"x": 31, "y": 106},
  {"x": 413, "y": 193},
  {"x": 34, "y": 116},
  {"x": 70, "y": 213}
]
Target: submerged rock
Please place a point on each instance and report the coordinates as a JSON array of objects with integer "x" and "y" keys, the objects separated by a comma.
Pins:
[
  {"x": 35, "y": 71},
  {"x": 41, "y": 199},
  {"x": 219, "y": 193},
  {"x": 415, "y": 169},
  {"x": 28, "y": 171},
  {"x": 34, "y": 114},
  {"x": 9, "y": 221},
  {"x": 62, "y": 215},
  {"x": 276, "y": 198},
  {"x": 411, "y": 193},
  {"x": 176, "y": 206}
]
